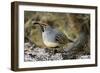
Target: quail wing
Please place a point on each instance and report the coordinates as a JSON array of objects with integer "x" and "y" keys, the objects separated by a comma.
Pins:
[{"x": 61, "y": 38}]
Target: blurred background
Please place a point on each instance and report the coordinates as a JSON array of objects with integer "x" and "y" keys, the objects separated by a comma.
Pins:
[{"x": 75, "y": 26}]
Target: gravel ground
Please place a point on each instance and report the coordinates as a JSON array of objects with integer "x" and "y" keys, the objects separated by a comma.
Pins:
[{"x": 33, "y": 53}]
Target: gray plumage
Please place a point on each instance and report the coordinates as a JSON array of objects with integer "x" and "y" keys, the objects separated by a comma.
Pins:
[{"x": 53, "y": 37}]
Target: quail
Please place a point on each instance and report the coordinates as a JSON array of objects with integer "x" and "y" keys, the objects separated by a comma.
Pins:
[{"x": 52, "y": 37}]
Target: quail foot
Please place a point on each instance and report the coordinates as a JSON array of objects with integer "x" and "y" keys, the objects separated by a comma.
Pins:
[{"x": 51, "y": 36}]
